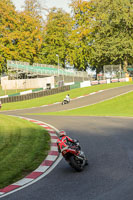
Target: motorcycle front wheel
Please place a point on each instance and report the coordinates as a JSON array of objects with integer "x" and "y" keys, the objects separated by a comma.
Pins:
[{"x": 76, "y": 164}]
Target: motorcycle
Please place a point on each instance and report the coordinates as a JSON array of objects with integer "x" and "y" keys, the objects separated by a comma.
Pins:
[
  {"x": 65, "y": 102},
  {"x": 74, "y": 156}
]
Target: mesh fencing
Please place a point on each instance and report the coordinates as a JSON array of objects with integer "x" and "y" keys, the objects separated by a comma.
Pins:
[{"x": 42, "y": 69}]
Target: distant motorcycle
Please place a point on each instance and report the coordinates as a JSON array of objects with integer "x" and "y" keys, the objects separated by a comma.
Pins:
[
  {"x": 74, "y": 156},
  {"x": 65, "y": 102}
]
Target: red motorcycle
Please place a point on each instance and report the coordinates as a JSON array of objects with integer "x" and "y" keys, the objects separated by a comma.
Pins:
[{"x": 74, "y": 156}]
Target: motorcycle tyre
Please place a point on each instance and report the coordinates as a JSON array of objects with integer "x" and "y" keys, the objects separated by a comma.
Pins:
[
  {"x": 74, "y": 164},
  {"x": 63, "y": 103},
  {"x": 86, "y": 162}
]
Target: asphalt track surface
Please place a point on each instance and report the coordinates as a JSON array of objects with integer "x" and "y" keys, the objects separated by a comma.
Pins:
[{"x": 108, "y": 144}]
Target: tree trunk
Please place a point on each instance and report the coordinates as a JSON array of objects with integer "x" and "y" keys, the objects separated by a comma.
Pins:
[{"x": 125, "y": 64}]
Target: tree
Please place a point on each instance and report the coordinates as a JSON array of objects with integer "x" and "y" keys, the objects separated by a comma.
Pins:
[
  {"x": 80, "y": 39},
  {"x": 33, "y": 7},
  {"x": 56, "y": 33},
  {"x": 29, "y": 41},
  {"x": 112, "y": 35},
  {"x": 8, "y": 24},
  {"x": 20, "y": 35}
]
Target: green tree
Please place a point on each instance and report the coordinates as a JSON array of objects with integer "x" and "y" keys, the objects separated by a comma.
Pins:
[
  {"x": 112, "y": 35},
  {"x": 80, "y": 39},
  {"x": 56, "y": 33}
]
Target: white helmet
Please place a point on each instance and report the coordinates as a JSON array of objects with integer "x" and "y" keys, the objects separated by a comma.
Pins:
[{"x": 62, "y": 133}]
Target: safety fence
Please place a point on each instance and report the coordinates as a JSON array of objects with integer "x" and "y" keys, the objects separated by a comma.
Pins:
[
  {"x": 41, "y": 69},
  {"x": 15, "y": 98}
]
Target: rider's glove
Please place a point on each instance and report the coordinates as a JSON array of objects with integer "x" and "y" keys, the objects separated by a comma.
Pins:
[{"x": 76, "y": 142}]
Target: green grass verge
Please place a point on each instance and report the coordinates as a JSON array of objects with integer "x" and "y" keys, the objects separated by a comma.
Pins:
[
  {"x": 60, "y": 96},
  {"x": 23, "y": 146},
  {"x": 119, "y": 106}
]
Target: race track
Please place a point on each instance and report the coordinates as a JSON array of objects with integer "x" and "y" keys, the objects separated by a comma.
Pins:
[{"x": 108, "y": 144}]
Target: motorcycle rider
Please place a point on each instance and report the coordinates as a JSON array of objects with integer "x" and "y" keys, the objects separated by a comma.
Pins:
[
  {"x": 67, "y": 98},
  {"x": 64, "y": 141}
]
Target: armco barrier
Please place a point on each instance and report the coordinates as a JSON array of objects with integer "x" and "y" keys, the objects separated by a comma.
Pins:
[{"x": 34, "y": 95}]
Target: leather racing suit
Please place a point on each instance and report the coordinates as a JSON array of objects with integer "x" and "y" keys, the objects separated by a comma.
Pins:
[{"x": 63, "y": 142}]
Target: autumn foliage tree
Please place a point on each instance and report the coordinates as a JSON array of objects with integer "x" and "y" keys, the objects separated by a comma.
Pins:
[
  {"x": 34, "y": 8},
  {"x": 30, "y": 39},
  {"x": 8, "y": 25},
  {"x": 20, "y": 35},
  {"x": 29, "y": 42}
]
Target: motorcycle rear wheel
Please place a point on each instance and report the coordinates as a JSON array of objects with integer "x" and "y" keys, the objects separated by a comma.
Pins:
[{"x": 73, "y": 162}]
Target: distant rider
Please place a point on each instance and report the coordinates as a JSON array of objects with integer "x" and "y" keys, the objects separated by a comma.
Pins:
[{"x": 67, "y": 98}]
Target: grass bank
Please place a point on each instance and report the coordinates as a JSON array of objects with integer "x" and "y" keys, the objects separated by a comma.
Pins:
[
  {"x": 23, "y": 146},
  {"x": 60, "y": 96},
  {"x": 119, "y": 106}
]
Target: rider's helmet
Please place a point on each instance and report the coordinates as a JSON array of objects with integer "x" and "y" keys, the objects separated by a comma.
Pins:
[{"x": 62, "y": 133}]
